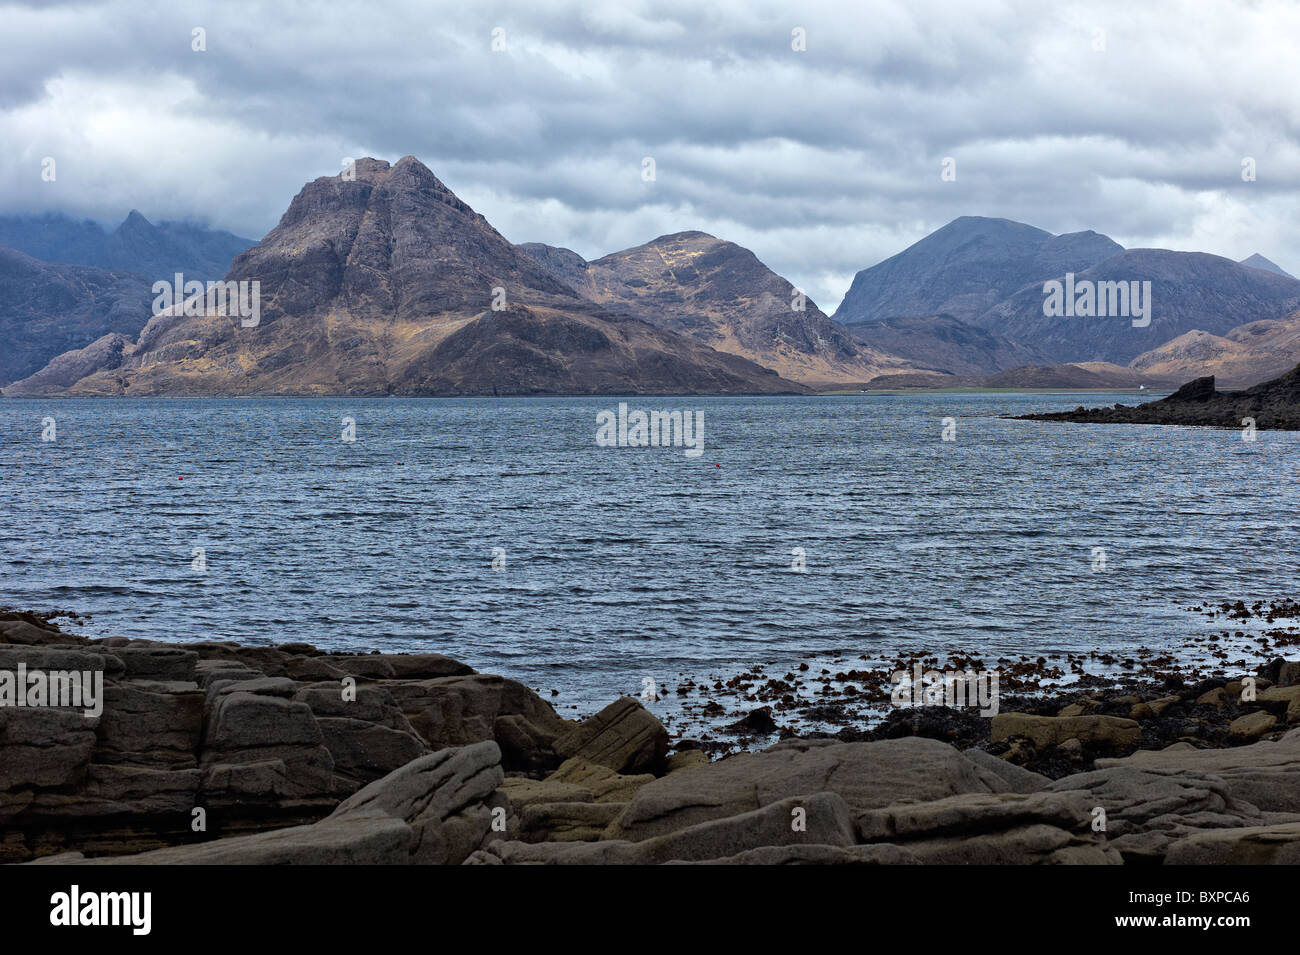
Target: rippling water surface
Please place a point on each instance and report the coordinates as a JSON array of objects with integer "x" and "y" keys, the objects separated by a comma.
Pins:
[{"x": 626, "y": 563}]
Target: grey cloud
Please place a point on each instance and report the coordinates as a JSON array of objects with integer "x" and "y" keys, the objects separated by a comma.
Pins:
[{"x": 821, "y": 161}]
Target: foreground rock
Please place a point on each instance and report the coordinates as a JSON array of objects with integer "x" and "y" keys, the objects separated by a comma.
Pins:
[
  {"x": 291, "y": 756},
  {"x": 235, "y": 739},
  {"x": 435, "y": 810}
]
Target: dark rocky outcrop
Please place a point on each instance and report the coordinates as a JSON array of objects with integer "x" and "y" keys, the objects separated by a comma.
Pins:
[{"x": 1273, "y": 404}]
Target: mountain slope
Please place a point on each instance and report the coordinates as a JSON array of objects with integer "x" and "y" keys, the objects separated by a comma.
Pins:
[
  {"x": 946, "y": 344},
  {"x": 1189, "y": 290},
  {"x": 1245, "y": 355},
  {"x": 137, "y": 245},
  {"x": 386, "y": 285},
  {"x": 47, "y": 309},
  {"x": 721, "y": 295},
  {"x": 967, "y": 267}
]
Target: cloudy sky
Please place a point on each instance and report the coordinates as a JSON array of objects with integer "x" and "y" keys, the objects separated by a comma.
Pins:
[{"x": 1132, "y": 119}]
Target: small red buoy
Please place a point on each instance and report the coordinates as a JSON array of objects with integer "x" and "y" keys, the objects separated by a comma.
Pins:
[
  {"x": 180, "y": 477},
  {"x": 717, "y": 465}
]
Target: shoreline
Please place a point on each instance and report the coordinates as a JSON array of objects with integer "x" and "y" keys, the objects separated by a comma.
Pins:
[{"x": 268, "y": 744}]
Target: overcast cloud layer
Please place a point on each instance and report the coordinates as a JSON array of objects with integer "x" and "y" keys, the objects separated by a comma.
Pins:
[{"x": 1132, "y": 119}]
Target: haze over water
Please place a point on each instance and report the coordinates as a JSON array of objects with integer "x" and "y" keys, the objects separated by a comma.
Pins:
[{"x": 623, "y": 563}]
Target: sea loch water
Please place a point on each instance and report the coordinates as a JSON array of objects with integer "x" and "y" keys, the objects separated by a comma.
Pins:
[{"x": 253, "y": 520}]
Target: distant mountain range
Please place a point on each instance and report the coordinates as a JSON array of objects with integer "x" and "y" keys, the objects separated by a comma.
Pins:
[
  {"x": 931, "y": 303},
  {"x": 65, "y": 283},
  {"x": 1189, "y": 290},
  {"x": 966, "y": 268},
  {"x": 48, "y": 309},
  {"x": 390, "y": 284},
  {"x": 137, "y": 245}
]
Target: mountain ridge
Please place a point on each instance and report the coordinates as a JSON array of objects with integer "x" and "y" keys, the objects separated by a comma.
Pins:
[
  {"x": 720, "y": 294},
  {"x": 385, "y": 282}
]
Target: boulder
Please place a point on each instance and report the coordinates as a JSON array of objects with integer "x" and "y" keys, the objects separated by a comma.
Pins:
[
  {"x": 1017, "y": 779},
  {"x": 1252, "y": 725},
  {"x": 460, "y": 710},
  {"x": 1101, "y": 732},
  {"x": 162, "y": 664},
  {"x": 603, "y": 783},
  {"x": 364, "y": 751},
  {"x": 266, "y": 750},
  {"x": 1264, "y": 774},
  {"x": 624, "y": 736},
  {"x": 433, "y": 810},
  {"x": 865, "y": 775},
  {"x": 686, "y": 759},
  {"x": 1250, "y": 845},
  {"x": 522, "y": 792},
  {"x": 44, "y": 747},
  {"x": 151, "y": 724},
  {"x": 449, "y": 788},
  {"x": 1146, "y": 811},
  {"x": 566, "y": 821},
  {"x": 818, "y": 819},
  {"x": 988, "y": 828}
]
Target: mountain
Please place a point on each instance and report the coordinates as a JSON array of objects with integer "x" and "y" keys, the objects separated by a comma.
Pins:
[
  {"x": 47, "y": 309},
  {"x": 1258, "y": 261},
  {"x": 137, "y": 245},
  {"x": 386, "y": 284},
  {"x": 1272, "y": 404},
  {"x": 1246, "y": 355},
  {"x": 1189, "y": 290},
  {"x": 945, "y": 344},
  {"x": 967, "y": 267},
  {"x": 720, "y": 294}
]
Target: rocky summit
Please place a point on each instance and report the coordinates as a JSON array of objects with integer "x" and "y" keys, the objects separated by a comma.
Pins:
[
  {"x": 721, "y": 295},
  {"x": 380, "y": 281},
  {"x": 221, "y": 753},
  {"x": 1273, "y": 404}
]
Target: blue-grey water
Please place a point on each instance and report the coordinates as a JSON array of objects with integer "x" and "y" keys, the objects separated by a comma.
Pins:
[{"x": 622, "y": 563}]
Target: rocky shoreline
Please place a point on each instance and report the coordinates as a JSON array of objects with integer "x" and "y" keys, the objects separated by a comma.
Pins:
[
  {"x": 1272, "y": 405},
  {"x": 222, "y": 753}
]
